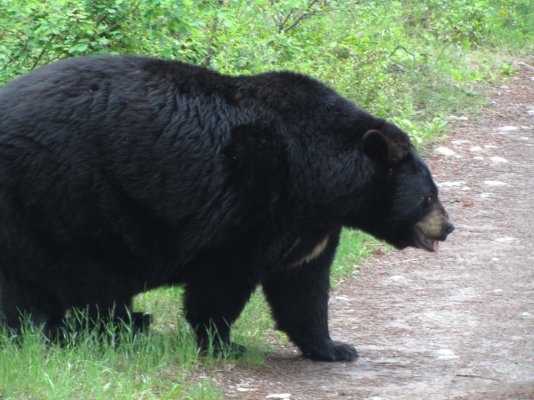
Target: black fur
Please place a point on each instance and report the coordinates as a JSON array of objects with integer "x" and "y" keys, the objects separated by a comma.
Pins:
[{"x": 123, "y": 174}]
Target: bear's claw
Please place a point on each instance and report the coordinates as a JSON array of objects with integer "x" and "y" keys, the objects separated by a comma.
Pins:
[{"x": 334, "y": 351}]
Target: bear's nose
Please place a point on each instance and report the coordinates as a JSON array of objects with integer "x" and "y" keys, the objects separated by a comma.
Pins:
[{"x": 449, "y": 228}]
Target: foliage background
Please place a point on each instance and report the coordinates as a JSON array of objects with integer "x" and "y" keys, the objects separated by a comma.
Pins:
[{"x": 392, "y": 57}]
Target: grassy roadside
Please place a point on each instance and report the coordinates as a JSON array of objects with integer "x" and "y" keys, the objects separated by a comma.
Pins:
[{"x": 413, "y": 62}]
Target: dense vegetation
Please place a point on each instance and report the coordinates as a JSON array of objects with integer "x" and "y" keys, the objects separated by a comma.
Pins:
[
  {"x": 412, "y": 60},
  {"x": 415, "y": 61}
]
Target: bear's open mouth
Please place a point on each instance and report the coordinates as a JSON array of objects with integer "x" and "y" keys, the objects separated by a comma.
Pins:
[{"x": 425, "y": 242}]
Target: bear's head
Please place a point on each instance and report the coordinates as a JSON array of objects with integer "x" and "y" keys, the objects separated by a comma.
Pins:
[
  {"x": 339, "y": 167},
  {"x": 404, "y": 207}
]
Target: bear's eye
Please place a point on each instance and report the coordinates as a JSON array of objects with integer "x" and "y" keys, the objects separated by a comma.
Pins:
[{"x": 428, "y": 200}]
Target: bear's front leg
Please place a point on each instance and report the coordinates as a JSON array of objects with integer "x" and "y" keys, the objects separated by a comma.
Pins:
[
  {"x": 213, "y": 301},
  {"x": 298, "y": 296}
]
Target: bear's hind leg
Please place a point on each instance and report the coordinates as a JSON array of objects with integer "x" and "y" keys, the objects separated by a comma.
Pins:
[
  {"x": 213, "y": 301},
  {"x": 21, "y": 300}
]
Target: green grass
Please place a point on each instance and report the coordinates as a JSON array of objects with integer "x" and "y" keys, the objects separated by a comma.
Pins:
[{"x": 151, "y": 366}]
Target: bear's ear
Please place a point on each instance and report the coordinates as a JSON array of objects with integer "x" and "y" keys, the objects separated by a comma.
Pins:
[{"x": 382, "y": 149}]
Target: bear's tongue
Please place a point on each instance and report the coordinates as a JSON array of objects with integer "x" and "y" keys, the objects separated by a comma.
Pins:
[{"x": 426, "y": 242}]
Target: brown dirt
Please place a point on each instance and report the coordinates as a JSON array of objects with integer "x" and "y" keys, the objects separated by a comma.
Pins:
[{"x": 457, "y": 325}]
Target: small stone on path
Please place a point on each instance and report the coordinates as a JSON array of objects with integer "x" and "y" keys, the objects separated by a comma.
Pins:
[
  {"x": 446, "y": 354},
  {"x": 451, "y": 184},
  {"x": 457, "y": 118},
  {"x": 495, "y": 183},
  {"x": 444, "y": 151},
  {"x": 507, "y": 128},
  {"x": 506, "y": 239},
  {"x": 245, "y": 389}
]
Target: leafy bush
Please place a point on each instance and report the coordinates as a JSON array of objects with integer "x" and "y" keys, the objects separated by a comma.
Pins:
[{"x": 411, "y": 60}]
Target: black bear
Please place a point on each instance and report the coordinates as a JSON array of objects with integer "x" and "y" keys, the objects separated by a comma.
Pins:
[{"x": 123, "y": 174}]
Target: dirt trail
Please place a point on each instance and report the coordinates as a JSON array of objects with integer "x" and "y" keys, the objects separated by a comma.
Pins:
[{"x": 458, "y": 325}]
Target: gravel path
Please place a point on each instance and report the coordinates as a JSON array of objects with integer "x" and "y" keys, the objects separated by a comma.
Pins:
[{"x": 457, "y": 325}]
